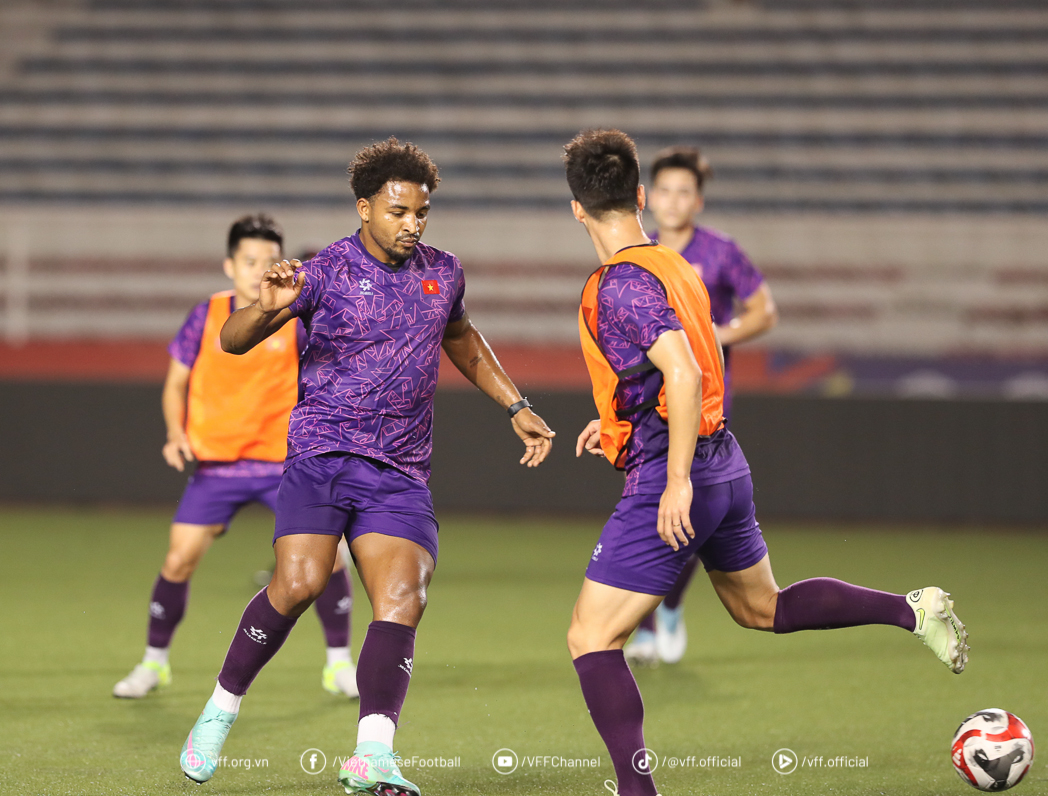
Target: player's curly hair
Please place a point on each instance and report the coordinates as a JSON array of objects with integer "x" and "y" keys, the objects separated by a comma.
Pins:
[
  {"x": 603, "y": 171},
  {"x": 389, "y": 160},
  {"x": 683, "y": 157},
  {"x": 258, "y": 226}
]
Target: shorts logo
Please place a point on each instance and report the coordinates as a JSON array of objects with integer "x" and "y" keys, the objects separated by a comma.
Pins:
[
  {"x": 156, "y": 610},
  {"x": 365, "y": 287},
  {"x": 406, "y": 666},
  {"x": 256, "y": 635},
  {"x": 597, "y": 551},
  {"x": 344, "y": 605}
]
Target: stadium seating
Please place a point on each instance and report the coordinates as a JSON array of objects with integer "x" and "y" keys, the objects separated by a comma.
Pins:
[{"x": 807, "y": 108}]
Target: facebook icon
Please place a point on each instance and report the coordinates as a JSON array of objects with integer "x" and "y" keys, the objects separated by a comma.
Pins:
[{"x": 313, "y": 761}]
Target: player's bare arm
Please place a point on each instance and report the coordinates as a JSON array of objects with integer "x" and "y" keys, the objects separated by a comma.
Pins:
[
  {"x": 758, "y": 315},
  {"x": 248, "y": 327},
  {"x": 173, "y": 401},
  {"x": 672, "y": 355},
  {"x": 471, "y": 354}
]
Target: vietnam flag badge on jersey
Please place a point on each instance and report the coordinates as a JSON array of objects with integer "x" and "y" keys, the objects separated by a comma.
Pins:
[{"x": 430, "y": 287}]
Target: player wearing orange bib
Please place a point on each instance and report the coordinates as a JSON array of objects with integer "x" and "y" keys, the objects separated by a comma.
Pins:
[
  {"x": 230, "y": 415},
  {"x": 658, "y": 383}
]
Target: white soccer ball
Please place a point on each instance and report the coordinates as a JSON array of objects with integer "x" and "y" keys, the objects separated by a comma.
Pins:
[{"x": 992, "y": 750}]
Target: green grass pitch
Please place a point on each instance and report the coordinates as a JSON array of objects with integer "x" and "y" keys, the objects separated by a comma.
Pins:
[{"x": 491, "y": 668}]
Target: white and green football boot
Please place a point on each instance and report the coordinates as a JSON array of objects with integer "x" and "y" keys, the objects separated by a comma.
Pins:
[
  {"x": 145, "y": 677},
  {"x": 938, "y": 626},
  {"x": 340, "y": 678},
  {"x": 203, "y": 747},
  {"x": 373, "y": 769}
]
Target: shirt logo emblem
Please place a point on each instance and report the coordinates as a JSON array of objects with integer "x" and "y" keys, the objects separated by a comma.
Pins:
[
  {"x": 430, "y": 287},
  {"x": 365, "y": 287}
]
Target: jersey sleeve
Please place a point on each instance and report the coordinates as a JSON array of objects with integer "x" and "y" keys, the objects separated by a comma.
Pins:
[
  {"x": 741, "y": 275},
  {"x": 632, "y": 313},
  {"x": 186, "y": 344},
  {"x": 304, "y": 306},
  {"x": 458, "y": 306}
]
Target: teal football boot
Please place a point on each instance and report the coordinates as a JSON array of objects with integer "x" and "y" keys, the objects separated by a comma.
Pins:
[
  {"x": 373, "y": 769},
  {"x": 203, "y": 747}
]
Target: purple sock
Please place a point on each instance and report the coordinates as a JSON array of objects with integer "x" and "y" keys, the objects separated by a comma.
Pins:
[
  {"x": 647, "y": 623},
  {"x": 167, "y": 606},
  {"x": 824, "y": 603},
  {"x": 617, "y": 710},
  {"x": 676, "y": 594},
  {"x": 262, "y": 631},
  {"x": 334, "y": 608},
  {"x": 384, "y": 669}
]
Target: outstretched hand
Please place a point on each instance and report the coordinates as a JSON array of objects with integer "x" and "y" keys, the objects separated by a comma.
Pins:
[
  {"x": 538, "y": 439},
  {"x": 281, "y": 285}
]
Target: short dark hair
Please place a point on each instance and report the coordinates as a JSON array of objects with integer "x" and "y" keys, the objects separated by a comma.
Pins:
[
  {"x": 390, "y": 161},
  {"x": 258, "y": 226},
  {"x": 683, "y": 157},
  {"x": 603, "y": 171}
]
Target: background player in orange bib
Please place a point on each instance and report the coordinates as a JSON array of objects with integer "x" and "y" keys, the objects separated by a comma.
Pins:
[
  {"x": 658, "y": 382},
  {"x": 230, "y": 414}
]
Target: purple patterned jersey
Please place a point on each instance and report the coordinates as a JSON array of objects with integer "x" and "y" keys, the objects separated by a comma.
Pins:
[
  {"x": 724, "y": 268},
  {"x": 369, "y": 372},
  {"x": 186, "y": 343},
  {"x": 632, "y": 312},
  {"x": 729, "y": 277}
]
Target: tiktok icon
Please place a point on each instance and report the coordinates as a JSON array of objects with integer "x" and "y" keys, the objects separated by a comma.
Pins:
[{"x": 645, "y": 761}]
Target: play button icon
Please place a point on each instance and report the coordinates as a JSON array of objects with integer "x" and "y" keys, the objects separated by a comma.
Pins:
[{"x": 784, "y": 761}]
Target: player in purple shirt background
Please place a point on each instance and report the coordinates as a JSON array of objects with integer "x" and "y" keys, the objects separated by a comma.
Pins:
[
  {"x": 743, "y": 308},
  {"x": 217, "y": 490},
  {"x": 378, "y": 307}
]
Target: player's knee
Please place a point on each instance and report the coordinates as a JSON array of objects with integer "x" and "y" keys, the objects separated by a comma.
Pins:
[
  {"x": 297, "y": 590},
  {"x": 411, "y": 594},
  {"x": 402, "y": 602},
  {"x": 576, "y": 642},
  {"x": 179, "y": 565},
  {"x": 582, "y": 640}
]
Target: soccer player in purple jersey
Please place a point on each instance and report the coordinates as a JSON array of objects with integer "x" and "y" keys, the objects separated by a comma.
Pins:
[
  {"x": 224, "y": 481},
  {"x": 651, "y": 350},
  {"x": 378, "y": 307},
  {"x": 743, "y": 308}
]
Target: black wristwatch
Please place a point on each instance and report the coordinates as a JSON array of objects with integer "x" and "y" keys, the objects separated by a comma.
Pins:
[{"x": 523, "y": 403}]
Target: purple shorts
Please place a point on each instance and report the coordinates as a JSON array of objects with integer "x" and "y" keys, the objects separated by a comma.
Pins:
[
  {"x": 214, "y": 499},
  {"x": 631, "y": 555},
  {"x": 340, "y": 494}
]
